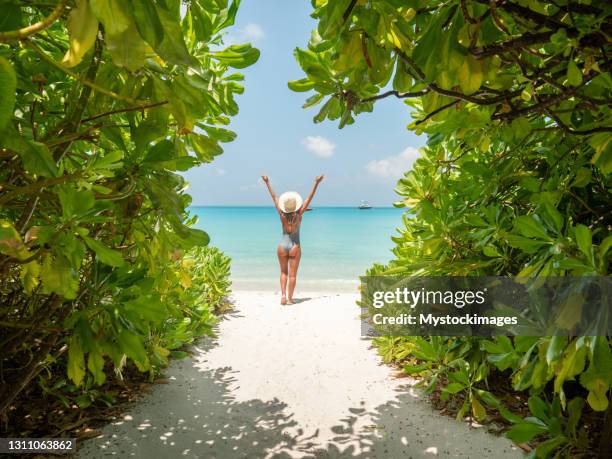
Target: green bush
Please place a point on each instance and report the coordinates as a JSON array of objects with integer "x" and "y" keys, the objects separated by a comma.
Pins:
[
  {"x": 514, "y": 98},
  {"x": 103, "y": 104}
]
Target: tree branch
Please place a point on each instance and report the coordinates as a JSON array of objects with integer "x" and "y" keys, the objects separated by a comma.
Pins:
[
  {"x": 399, "y": 95},
  {"x": 124, "y": 110},
  {"x": 435, "y": 112},
  {"x": 348, "y": 11},
  {"x": 25, "y": 32},
  {"x": 569, "y": 130},
  {"x": 527, "y": 39}
]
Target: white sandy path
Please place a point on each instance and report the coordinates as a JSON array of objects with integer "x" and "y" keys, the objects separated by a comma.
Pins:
[{"x": 281, "y": 382}]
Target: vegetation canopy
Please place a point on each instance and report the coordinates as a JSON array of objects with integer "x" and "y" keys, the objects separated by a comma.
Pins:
[
  {"x": 514, "y": 97},
  {"x": 102, "y": 104}
]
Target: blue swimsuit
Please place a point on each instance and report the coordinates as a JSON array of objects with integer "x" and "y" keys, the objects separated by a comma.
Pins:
[{"x": 290, "y": 240}]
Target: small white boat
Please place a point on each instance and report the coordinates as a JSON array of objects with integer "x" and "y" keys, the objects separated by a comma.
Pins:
[{"x": 364, "y": 205}]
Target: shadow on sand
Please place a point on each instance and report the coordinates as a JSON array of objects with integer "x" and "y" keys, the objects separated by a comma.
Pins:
[{"x": 197, "y": 415}]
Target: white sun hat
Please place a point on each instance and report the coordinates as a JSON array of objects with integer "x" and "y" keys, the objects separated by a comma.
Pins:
[{"x": 290, "y": 201}]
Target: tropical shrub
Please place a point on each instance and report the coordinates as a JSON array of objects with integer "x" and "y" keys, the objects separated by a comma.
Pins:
[
  {"x": 514, "y": 98},
  {"x": 103, "y": 103}
]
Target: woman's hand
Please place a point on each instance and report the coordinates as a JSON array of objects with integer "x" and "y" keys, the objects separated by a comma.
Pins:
[
  {"x": 319, "y": 179},
  {"x": 265, "y": 178}
]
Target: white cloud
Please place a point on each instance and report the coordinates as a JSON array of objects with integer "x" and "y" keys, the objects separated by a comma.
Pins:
[
  {"x": 393, "y": 167},
  {"x": 220, "y": 171},
  {"x": 319, "y": 146},
  {"x": 251, "y": 32}
]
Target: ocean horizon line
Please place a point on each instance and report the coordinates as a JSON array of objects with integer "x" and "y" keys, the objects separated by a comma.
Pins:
[{"x": 312, "y": 207}]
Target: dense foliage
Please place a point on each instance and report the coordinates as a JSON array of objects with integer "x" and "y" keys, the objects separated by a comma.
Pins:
[
  {"x": 102, "y": 104},
  {"x": 514, "y": 97}
]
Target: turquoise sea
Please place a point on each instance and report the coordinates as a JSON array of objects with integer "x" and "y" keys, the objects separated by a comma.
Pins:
[{"x": 338, "y": 244}]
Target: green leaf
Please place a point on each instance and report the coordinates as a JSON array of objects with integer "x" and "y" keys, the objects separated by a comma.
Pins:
[
  {"x": 303, "y": 85},
  {"x": 172, "y": 47},
  {"x": 538, "y": 407},
  {"x": 148, "y": 23},
  {"x": 574, "y": 75},
  {"x": 113, "y": 14},
  {"x": 454, "y": 388},
  {"x": 530, "y": 227},
  {"x": 105, "y": 255},
  {"x": 149, "y": 307},
  {"x": 237, "y": 56},
  {"x": 57, "y": 275},
  {"x": 523, "y": 432},
  {"x": 82, "y": 27},
  {"x": 76, "y": 361},
  {"x": 36, "y": 157},
  {"x": 132, "y": 345},
  {"x": 95, "y": 364},
  {"x": 8, "y": 86},
  {"x": 11, "y": 18},
  {"x": 584, "y": 241},
  {"x": 127, "y": 49},
  {"x": 10, "y": 241},
  {"x": 75, "y": 203},
  {"x": 478, "y": 410},
  {"x": 470, "y": 75},
  {"x": 204, "y": 147},
  {"x": 555, "y": 349}
]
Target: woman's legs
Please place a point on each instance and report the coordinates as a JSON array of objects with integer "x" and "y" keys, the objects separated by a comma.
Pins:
[
  {"x": 294, "y": 256},
  {"x": 283, "y": 260}
]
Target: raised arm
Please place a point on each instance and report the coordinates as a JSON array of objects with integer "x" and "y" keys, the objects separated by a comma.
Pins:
[
  {"x": 318, "y": 180},
  {"x": 274, "y": 198}
]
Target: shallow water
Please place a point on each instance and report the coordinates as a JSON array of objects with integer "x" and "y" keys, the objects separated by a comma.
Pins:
[{"x": 338, "y": 243}]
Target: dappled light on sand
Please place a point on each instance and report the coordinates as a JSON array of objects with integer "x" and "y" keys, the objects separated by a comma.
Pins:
[{"x": 288, "y": 382}]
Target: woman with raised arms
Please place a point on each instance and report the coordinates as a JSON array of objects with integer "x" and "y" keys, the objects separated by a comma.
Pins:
[{"x": 291, "y": 209}]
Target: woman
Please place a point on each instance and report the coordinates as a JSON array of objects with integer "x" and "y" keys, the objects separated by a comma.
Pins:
[{"x": 291, "y": 209}]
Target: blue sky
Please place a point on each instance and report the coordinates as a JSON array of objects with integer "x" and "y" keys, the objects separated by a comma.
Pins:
[{"x": 277, "y": 137}]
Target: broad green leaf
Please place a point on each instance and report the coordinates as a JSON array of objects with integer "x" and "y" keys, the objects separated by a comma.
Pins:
[
  {"x": 75, "y": 203},
  {"x": 82, "y": 27},
  {"x": 132, "y": 345},
  {"x": 11, "y": 18},
  {"x": 57, "y": 275},
  {"x": 583, "y": 239},
  {"x": 574, "y": 75},
  {"x": 127, "y": 49},
  {"x": 105, "y": 255},
  {"x": 10, "y": 241},
  {"x": 555, "y": 349},
  {"x": 35, "y": 156},
  {"x": 237, "y": 56},
  {"x": 95, "y": 364},
  {"x": 76, "y": 361},
  {"x": 478, "y": 410},
  {"x": 530, "y": 227},
  {"x": 303, "y": 85},
  {"x": 113, "y": 14},
  {"x": 570, "y": 311},
  {"x": 29, "y": 275},
  {"x": 149, "y": 307},
  {"x": 470, "y": 75},
  {"x": 525, "y": 431},
  {"x": 538, "y": 407},
  {"x": 204, "y": 147},
  {"x": 8, "y": 86},
  {"x": 148, "y": 23},
  {"x": 172, "y": 47}
]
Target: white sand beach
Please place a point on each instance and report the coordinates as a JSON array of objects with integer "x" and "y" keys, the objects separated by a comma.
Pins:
[{"x": 289, "y": 382}]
